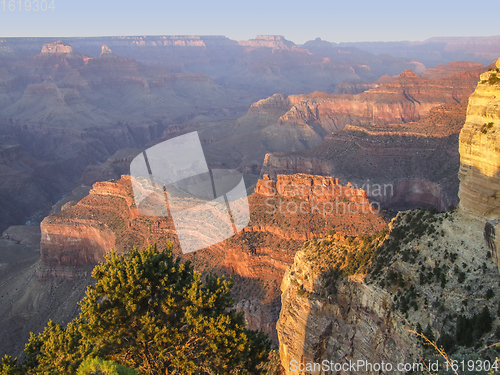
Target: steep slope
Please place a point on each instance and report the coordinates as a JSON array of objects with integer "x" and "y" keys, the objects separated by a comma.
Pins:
[
  {"x": 298, "y": 122},
  {"x": 419, "y": 160},
  {"x": 346, "y": 300},
  {"x": 65, "y": 111},
  {"x": 480, "y": 160},
  {"x": 479, "y": 151},
  {"x": 284, "y": 213},
  {"x": 408, "y": 98}
]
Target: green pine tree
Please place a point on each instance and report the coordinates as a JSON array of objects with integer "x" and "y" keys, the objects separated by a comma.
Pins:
[{"x": 151, "y": 312}]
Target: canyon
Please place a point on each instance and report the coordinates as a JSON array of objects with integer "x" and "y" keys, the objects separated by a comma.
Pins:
[
  {"x": 75, "y": 112},
  {"x": 71, "y": 95},
  {"x": 416, "y": 153},
  {"x": 82, "y": 233},
  {"x": 61, "y": 111},
  {"x": 419, "y": 160},
  {"x": 348, "y": 299}
]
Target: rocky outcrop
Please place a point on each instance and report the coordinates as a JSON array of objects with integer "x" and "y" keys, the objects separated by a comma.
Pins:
[
  {"x": 405, "y": 99},
  {"x": 82, "y": 233},
  {"x": 58, "y": 47},
  {"x": 289, "y": 125},
  {"x": 480, "y": 161},
  {"x": 443, "y": 71},
  {"x": 75, "y": 237},
  {"x": 106, "y": 50},
  {"x": 346, "y": 300},
  {"x": 353, "y": 323},
  {"x": 309, "y": 188},
  {"x": 269, "y": 41},
  {"x": 479, "y": 151},
  {"x": 414, "y": 164}
]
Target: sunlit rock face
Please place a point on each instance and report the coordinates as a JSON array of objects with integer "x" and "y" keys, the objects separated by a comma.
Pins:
[
  {"x": 57, "y": 47},
  {"x": 480, "y": 151},
  {"x": 480, "y": 160},
  {"x": 331, "y": 313}
]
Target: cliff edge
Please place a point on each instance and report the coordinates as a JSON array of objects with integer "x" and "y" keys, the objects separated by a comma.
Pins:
[
  {"x": 480, "y": 152},
  {"x": 350, "y": 299}
]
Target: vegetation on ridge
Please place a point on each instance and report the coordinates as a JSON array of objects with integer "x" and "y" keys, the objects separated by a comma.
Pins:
[
  {"x": 421, "y": 263},
  {"x": 150, "y": 312}
]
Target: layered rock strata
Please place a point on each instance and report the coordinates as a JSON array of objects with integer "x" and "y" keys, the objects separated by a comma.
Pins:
[
  {"x": 401, "y": 166},
  {"x": 347, "y": 300},
  {"x": 291, "y": 212},
  {"x": 480, "y": 150},
  {"x": 480, "y": 160}
]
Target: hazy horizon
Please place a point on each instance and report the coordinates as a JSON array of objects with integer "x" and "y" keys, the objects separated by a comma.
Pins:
[
  {"x": 331, "y": 21},
  {"x": 253, "y": 37}
]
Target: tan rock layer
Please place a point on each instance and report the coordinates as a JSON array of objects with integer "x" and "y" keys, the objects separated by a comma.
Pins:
[
  {"x": 310, "y": 187},
  {"x": 480, "y": 151}
]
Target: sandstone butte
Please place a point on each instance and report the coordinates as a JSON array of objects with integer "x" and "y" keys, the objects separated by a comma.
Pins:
[
  {"x": 270, "y": 41},
  {"x": 82, "y": 233},
  {"x": 424, "y": 268},
  {"x": 58, "y": 47}
]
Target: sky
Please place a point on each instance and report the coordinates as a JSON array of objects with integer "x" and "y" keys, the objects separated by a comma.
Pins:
[{"x": 299, "y": 21}]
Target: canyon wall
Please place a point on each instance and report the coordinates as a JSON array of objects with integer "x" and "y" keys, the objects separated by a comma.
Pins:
[
  {"x": 405, "y": 99},
  {"x": 76, "y": 236},
  {"x": 403, "y": 123},
  {"x": 283, "y": 213},
  {"x": 346, "y": 300},
  {"x": 401, "y": 166},
  {"x": 480, "y": 151},
  {"x": 353, "y": 323},
  {"x": 480, "y": 160}
]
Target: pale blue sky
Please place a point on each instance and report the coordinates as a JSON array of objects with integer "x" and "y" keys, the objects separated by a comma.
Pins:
[{"x": 299, "y": 21}]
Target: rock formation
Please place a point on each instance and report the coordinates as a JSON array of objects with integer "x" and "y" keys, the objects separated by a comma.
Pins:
[
  {"x": 405, "y": 99},
  {"x": 269, "y": 41},
  {"x": 27, "y": 302},
  {"x": 106, "y": 50},
  {"x": 419, "y": 160},
  {"x": 296, "y": 209},
  {"x": 58, "y": 47},
  {"x": 61, "y": 111},
  {"x": 443, "y": 71},
  {"x": 480, "y": 160},
  {"x": 289, "y": 125},
  {"x": 479, "y": 150},
  {"x": 346, "y": 300}
]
